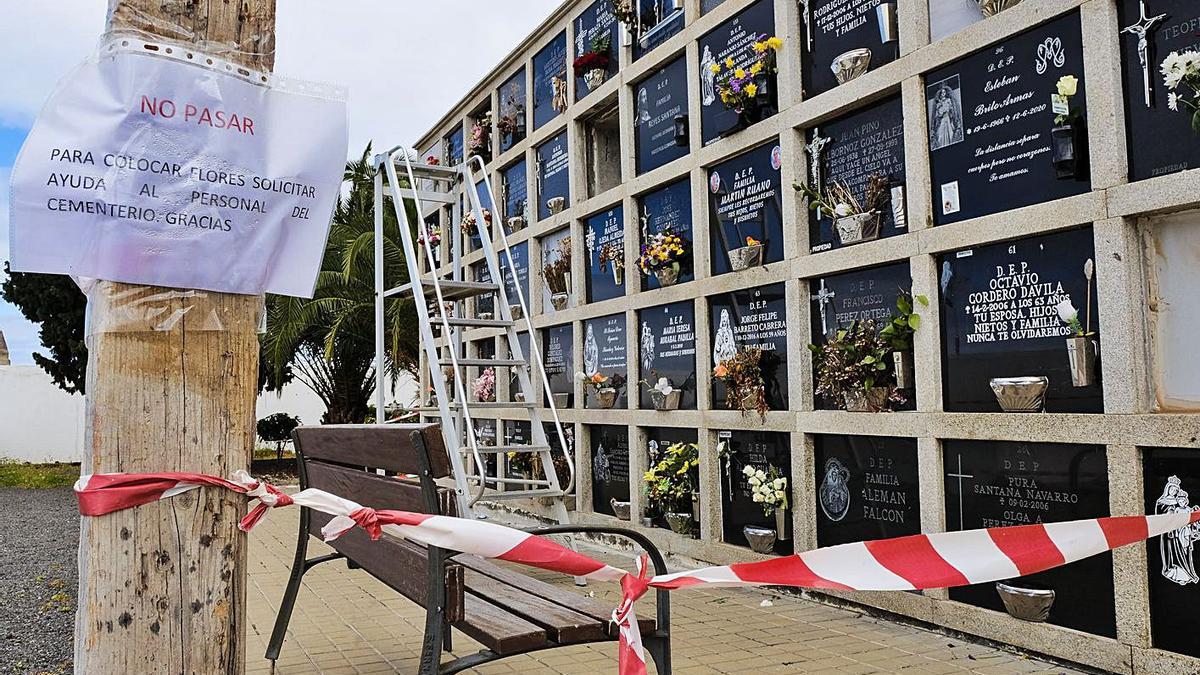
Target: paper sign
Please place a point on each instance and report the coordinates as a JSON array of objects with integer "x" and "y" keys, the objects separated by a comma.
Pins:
[{"x": 148, "y": 169}]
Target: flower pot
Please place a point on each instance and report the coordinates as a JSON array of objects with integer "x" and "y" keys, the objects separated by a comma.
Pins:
[
  {"x": 872, "y": 400},
  {"x": 851, "y": 64},
  {"x": 761, "y": 539},
  {"x": 1021, "y": 394},
  {"x": 647, "y": 521},
  {"x": 994, "y": 7},
  {"x": 746, "y": 256},
  {"x": 765, "y": 92},
  {"x": 516, "y": 223},
  {"x": 618, "y": 272},
  {"x": 606, "y": 397},
  {"x": 562, "y": 401},
  {"x": 681, "y": 523},
  {"x": 696, "y": 506},
  {"x": 857, "y": 228},
  {"x": 560, "y": 300},
  {"x": 485, "y": 316},
  {"x": 781, "y": 524},
  {"x": 594, "y": 78},
  {"x": 750, "y": 399},
  {"x": 516, "y": 312},
  {"x": 667, "y": 276},
  {"x": 620, "y": 509},
  {"x": 519, "y": 397},
  {"x": 556, "y": 204},
  {"x": 1069, "y": 145},
  {"x": 1081, "y": 351},
  {"x": 663, "y": 401},
  {"x": 902, "y": 366},
  {"x": 1027, "y": 604}
]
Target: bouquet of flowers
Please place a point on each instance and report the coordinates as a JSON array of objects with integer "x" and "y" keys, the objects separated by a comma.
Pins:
[
  {"x": 598, "y": 380},
  {"x": 470, "y": 227},
  {"x": 557, "y": 268},
  {"x": 432, "y": 160},
  {"x": 433, "y": 233},
  {"x": 739, "y": 87},
  {"x": 596, "y": 58},
  {"x": 671, "y": 481},
  {"x": 1183, "y": 69},
  {"x": 624, "y": 11},
  {"x": 768, "y": 488},
  {"x": 480, "y": 141},
  {"x": 854, "y": 362},
  {"x": 744, "y": 384},
  {"x": 664, "y": 250},
  {"x": 839, "y": 199},
  {"x": 613, "y": 253},
  {"x": 485, "y": 386}
]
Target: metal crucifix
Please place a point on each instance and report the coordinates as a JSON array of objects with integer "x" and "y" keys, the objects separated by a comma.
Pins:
[
  {"x": 823, "y": 297},
  {"x": 1142, "y": 30},
  {"x": 814, "y": 160}
]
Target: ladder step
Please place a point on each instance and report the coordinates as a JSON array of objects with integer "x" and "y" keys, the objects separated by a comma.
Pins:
[
  {"x": 523, "y": 494},
  {"x": 501, "y": 449},
  {"x": 451, "y": 290},
  {"x": 470, "y": 322},
  {"x": 426, "y": 196},
  {"x": 493, "y": 405},
  {"x": 485, "y": 362},
  {"x": 422, "y": 170}
]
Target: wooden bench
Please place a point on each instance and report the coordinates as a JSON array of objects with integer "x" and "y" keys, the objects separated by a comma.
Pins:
[{"x": 505, "y": 611}]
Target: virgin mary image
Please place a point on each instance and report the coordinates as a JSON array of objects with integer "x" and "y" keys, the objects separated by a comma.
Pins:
[
  {"x": 725, "y": 344},
  {"x": 591, "y": 353},
  {"x": 1175, "y": 547},
  {"x": 647, "y": 343},
  {"x": 945, "y": 119}
]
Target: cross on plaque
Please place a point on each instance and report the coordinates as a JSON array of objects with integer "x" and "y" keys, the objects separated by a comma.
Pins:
[
  {"x": 823, "y": 297},
  {"x": 645, "y": 218},
  {"x": 1142, "y": 30},
  {"x": 814, "y": 148},
  {"x": 807, "y": 19},
  {"x": 960, "y": 476}
]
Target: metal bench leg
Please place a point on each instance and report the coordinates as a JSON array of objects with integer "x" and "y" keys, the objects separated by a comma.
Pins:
[
  {"x": 437, "y": 632},
  {"x": 447, "y": 640},
  {"x": 660, "y": 650},
  {"x": 299, "y": 567}
]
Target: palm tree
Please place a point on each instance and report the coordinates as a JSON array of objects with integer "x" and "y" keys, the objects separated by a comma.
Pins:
[{"x": 328, "y": 341}]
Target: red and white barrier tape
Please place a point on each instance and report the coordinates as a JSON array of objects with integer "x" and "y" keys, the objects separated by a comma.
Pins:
[{"x": 916, "y": 562}]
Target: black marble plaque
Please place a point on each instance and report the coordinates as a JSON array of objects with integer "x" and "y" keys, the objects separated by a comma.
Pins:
[
  {"x": 659, "y": 23},
  {"x": 591, "y": 23},
  {"x": 658, "y": 439},
  {"x": 1161, "y": 141},
  {"x": 520, "y": 258},
  {"x": 838, "y": 300},
  {"x": 867, "y": 488},
  {"x": 744, "y": 201},
  {"x": 604, "y": 353},
  {"x": 514, "y": 384},
  {"x": 610, "y": 466},
  {"x": 759, "y": 449},
  {"x": 485, "y": 435},
  {"x": 605, "y": 236},
  {"x": 990, "y": 119},
  {"x": 667, "y": 348},
  {"x": 1000, "y": 483},
  {"x": 518, "y": 432},
  {"x": 553, "y": 163},
  {"x": 515, "y": 188},
  {"x": 753, "y": 318},
  {"x": 454, "y": 147},
  {"x": 731, "y": 39},
  {"x": 834, "y": 27},
  {"x": 512, "y": 111},
  {"x": 869, "y": 142},
  {"x": 559, "y": 359},
  {"x": 667, "y": 207},
  {"x": 550, "y": 81},
  {"x": 657, "y": 100},
  {"x": 1171, "y": 475},
  {"x": 999, "y": 319},
  {"x": 552, "y": 249}
]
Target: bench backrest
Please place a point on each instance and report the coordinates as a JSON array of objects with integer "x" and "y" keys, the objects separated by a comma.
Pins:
[{"x": 343, "y": 459}]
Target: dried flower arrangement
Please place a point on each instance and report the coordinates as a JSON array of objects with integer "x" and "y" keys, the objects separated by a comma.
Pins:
[
  {"x": 469, "y": 227},
  {"x": 745, "y": 388},
  {"x": 556, "y": 268},
  {"x": 852, "y": 368}
]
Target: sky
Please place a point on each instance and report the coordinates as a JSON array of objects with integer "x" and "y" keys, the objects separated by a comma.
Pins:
[{"x": 405, "y": 63}]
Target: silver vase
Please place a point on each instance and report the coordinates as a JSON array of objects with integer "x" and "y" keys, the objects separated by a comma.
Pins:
[
  {"x": 1021, "y": 394},
  {"x": 902, "y": 365},
  {"x": 994, "y": 7},
  {"x": 1081, "y": 351},
  {"x": 781, "y": 527},
  {"x": 761, "y": 539},
  {"x": 1027, "y": 604}
]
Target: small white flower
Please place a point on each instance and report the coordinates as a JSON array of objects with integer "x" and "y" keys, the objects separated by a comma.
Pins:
[
  {"x": 757, "y": 498},
  {"x": 777, "y": 483},
  {"x": 664, "y": 386},
  {"x": 1173, "y": 101},
  {"x": 755, "y": 481},
  {"x": 766, "y": 603},
  {"x": 760, "y": 474},
  {"x": 843, "y": 209},
  {"x": 1066, "y": 311},
  {"x": 748, "y": 470}
]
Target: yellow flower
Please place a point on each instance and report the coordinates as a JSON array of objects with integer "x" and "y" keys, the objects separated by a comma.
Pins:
[
  {"x": 774, "y": 43},
  {"x": 756, "y": 68},
  {"x": 716, "y": 67},
  {"x": 739, "y": 73},
  {"x": 760, "y": 47},
  {"x": 1067, "y": 85},
  {"x": 729, "y": 62},
  {"x": 751, "y": 89}
]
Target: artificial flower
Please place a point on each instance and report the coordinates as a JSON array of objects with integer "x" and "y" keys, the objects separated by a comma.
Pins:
[
  {"x": 751, "y": 241},
  {"x": 1173, "y": 101},
  {"x": 721, "y": 370},
  {"x": 739, "y": 74},
  {"x": 751, "y": 89},
  {"x": 729, "y": 63},
  {"x": 774, "y": 43},
  {"x": 1066, "y": 311},
  {"x": 1067, "y": 85},
  {"x": 716, "y": 68},
  {"x": 756, "y": 68}
]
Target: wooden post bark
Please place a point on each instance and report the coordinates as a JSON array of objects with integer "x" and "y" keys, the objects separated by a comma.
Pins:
[{"x": 172, "y": 382}]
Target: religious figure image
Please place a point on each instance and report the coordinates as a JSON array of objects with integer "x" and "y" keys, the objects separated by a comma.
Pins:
[
  {"x": 945, "y": 113},
  {"x": 724, "y": 344},
  {"x": 1175, "y": 548},
  {"x": 643, "y": 106},
  {"x": 835, "y": 490},
  {"x": 601, "y": 471},
  {"x": 647, "y": 343},
  {"x": 558, "y": 95},
  {"x": 652, "y": 451},
  {"x": 591, "y": 353},
  {"x": 708, "y": 86}
]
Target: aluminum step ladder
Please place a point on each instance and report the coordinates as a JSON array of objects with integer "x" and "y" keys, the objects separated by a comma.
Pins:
[{"x": 440, "y": 305}]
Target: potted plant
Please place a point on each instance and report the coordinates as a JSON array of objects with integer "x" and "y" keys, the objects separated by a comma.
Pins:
[
  {"x": 606, "y": 388},
  {"x": 1068, "y": 137},
  {"x": 670, "y": 484},
  {"x": 749, "y": 91},
  {"x": 750, "y": 255},
  {"x": 768, "y": 489},
  {"x": 745, "y": 388},
  {"x": 485, "y": 386},
  {"x": 592, "y": 65},
  {"x": 480, "y": 140},
  {"x": 1183, "y": 69},
  {"x": 612, "y": 255},
  {"x": 663, "y": 394},
  {"x": 663, "y": 256},
  {"x": 520, "y": 463},
  {"x": 562, "y": 399},
  {"x": 516, "y": 223},
  {"x": 556, "y": 271},
  {"x": 471, "y": 228},
  {"x": 852, "y": 369},
  {"x": 854, "y": 221},
  {"x": 556, "y": 204},
  {"x": 899, "y": 332},
  {"x": 1082, "y": 343}
]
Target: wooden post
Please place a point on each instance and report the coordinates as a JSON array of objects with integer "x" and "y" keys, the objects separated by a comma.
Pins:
[{"x": 172, "y": 380}]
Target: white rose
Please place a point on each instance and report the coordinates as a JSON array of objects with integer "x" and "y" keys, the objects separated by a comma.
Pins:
[
  {"x": 760, "y": 474},
  {"x": 778, "y": 483},
  {"x": 758, "y": 498},
  {"x": 748, "y": 470},
  {"x": 755, "y": 481},
  {"x": 1066, "y": 311},
  {"x": 780, "y": 495},
  {"x": 843, "y": 209}
]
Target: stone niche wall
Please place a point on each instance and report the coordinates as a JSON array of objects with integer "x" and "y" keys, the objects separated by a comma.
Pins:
[{"x": 996, "y": 213}]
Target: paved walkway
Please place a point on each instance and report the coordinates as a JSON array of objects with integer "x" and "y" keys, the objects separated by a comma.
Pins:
[{"x": 347, "y": 622}]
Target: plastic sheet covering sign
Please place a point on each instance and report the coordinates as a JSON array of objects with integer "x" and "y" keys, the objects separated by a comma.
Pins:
[{"x": 151, "y": 170}]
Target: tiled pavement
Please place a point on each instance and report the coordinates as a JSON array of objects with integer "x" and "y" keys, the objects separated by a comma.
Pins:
[{"x": 347, "y": 622}]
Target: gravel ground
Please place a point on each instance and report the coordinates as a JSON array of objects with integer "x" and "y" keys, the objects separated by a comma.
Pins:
[{"x": 39, "y": 536}]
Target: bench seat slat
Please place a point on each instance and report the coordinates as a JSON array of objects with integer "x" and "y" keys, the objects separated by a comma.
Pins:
[
  {"x": 562, "y": 625},
  {"x": 497, "y": 629}
]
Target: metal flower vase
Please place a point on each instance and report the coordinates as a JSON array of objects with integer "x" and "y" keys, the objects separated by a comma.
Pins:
[
  {"x": 1021, "y": 394},
  {"x": 902, "y": 366},
  {"x": 680, "y": 523},
  {"x": 761, "y": 539},
  {"x": 866, "y": 400},
  {"x": 857, "y": 228},
  {"x": 746, "y": 257},
  {"x": 663, "y": 401},
  {"x": 781, "y": 527},
  {"x": 620, "y": 509},
  {"x": 1027, "y": 604},
  {"x": 594, "y": 78},
  {"x": 1081, "y": 352}
]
